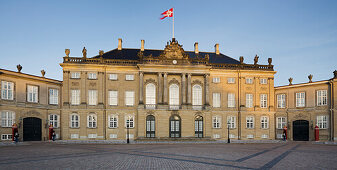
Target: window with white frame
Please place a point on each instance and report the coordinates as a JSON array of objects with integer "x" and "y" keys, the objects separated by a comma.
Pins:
[
  {"x": 281, "y": 122},
  {"x": 113, "y": 77},
  {"x": 232, "y": 122},
  {"x": 174, "y": 94},
  {"x": 92, "y": 97},
  {"x": 129, "y": 121},
  {"x": 250, "y": 122},
  {"x": 231, "y": 80},
  {"x": 7, "y": 89},
  {"x": 249, "y": 100},
  {"x": 264, "y": 122},
  {"x": 263, "y": 100},
  {"x": 322, "y": 98},
  {"x": 32, "y": 94},
  {"x": 92, "y": 76},
  {"x": 196, "y": 95},
  {"x": 75, "y": 97},
  {"x": 6, "y": 136},
  {"x": 216, "y": 100},
  {"x": 129, "y": 98},
  {"x": 92, "y": 121},
  {"x": 54, "y": 120},
  {"x": 231, "y": 99},
  {"x": 249, "y": 80},
  {"x": 322, "y": 122},
  {"x": 216, "y": 79},
  {"x": 129, "y": 77},
  {"x": 300, "y": 99},
  {"x": 113, "y": 98},
  {"x": 75, "y": 75},
  {"x": 7, "y": 118},
  {"x": 74, "y": 120},
  {"x": 150, "y": 94},
  {"x": 53, "y": 96},
  {"x": 113, "y": 121},
  {"x": 263, "y": 81},
  {"x": 281, "y": 101},
  {"x": 216, "y": 121}
]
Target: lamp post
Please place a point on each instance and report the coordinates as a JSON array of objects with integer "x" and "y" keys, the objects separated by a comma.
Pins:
[
  {"x": 229, "y": 140},
  {"x": 127, "y": 132}
]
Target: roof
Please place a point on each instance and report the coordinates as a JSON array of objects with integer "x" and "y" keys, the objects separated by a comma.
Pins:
[
  {"x": 131, "y": 54},
  {"x": 29, "y": 76}
]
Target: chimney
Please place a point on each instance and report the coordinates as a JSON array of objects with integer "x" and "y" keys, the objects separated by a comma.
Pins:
[
  {"x": 142, "y": 45},
  {"x": 196, "y": 48},
  {"x": 119, "y": 44},
  {"x": 217, "y": 52}
]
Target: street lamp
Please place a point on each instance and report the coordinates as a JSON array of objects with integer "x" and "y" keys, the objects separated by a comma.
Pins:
[
  {"x": 127, "y": 132},
  {"x": 228, "y": 124}
]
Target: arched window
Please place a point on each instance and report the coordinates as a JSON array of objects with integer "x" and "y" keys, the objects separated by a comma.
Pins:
[
  {"x": 198, "y": 126},
  {"x": 92, "y": 121},
  {"x": 196, "y": 95},
  {"x": 74, "y": 120},
  {"x": 174, "y": 94},
  {"x": 150, "y": 94},
  {"x": 150, "y": 126},
  {"x": 175, "y": 126}
]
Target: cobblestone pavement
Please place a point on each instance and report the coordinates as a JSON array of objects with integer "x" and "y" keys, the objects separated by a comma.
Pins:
[{"x": 47, "y": 155}]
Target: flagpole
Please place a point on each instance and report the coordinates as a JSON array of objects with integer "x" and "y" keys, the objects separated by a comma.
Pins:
[{"x": 173, "y": 24}]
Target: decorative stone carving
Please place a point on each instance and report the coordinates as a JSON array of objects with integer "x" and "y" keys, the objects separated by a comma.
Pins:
[
  {"x": 19, "y": 67},
  {"x": 300, "y": 116},
  {"x": 150, "y": 81},
  {"x": 269, "y": 61},
  {"x": 67, "y": 51},
  {"x": 310, "y": 78},
  {"x": 248, "y": 88},
  {"x": 174, "y": 81},
  {"x": 256, "y": 59},
  {"x": 75, "y": 83},
  {"x": 101, "y": 52},
  {"x": 92, "y": 84},
  {"x": 43, "y": 73},
  {"x": 196, "y": 82},
  {"x": 84, "y": 52},
  {"x": 241, "y": 59},
  {"x": 173, "y": 50},
  {"x": 290, "y": 81},
  {"x": 335, "y": 74}
]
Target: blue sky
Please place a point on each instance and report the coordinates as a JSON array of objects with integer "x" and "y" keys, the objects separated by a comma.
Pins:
[{"x": 300, "y": 35}]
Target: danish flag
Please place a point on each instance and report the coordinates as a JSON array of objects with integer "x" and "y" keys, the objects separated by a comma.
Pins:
[{"x": 168, "y": 13}]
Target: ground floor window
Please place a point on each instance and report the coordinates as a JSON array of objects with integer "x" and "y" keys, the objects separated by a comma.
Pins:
[
  {"x": 322, "y": 122},
  {"x": 150, "y": 126},
  {"x": 198, "y": 127},
  {"x": 175, "y": 126}
]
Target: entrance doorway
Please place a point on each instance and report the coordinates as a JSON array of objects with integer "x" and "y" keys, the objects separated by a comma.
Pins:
[
  {"x": 301, "y": 130},
  {"x": 150, "y": 126},
  {"x": 175, "y": 126},
  {"x": 198, "y": 127},
  {"x": 32, "y": 129}
]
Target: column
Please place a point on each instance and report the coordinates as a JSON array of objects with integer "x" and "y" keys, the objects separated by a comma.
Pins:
[
  {"x": 206, "y": 89},
  {"x": 183, "y": 87},
  {"x": 160, "y": 88},
  {"x": 141, "y": 75},
  {"x": 165, "y": 88},
  {"x": 189, "y": 89}
]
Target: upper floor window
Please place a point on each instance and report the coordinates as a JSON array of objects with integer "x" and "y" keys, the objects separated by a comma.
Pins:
[
  {"x": 263, "y": 81},
  {"x": 250, "y": 122},
  {"x": 92, "y": 121},
  {"x": 300, "y": 99},
  {"x": 113, "y": 76},
  {"x": 7, "y": 118},
  {"x": 281, "y": 122},
  {"x": 216, "y": 121},
  {"x": 196, "y": 95},
  {"x": 249, "y": 100},
  {"x": 129, "y": 77},
  {"x": 129, "y": 121},
  {"x": 322, "y": 122},
  {"x": 113, "y": 98},
  {"x": 150, "y": 94},
  {"x": 249, "y": 80},
  {"x": 92, "y": 75},
  {"x": 230, "y": 80},
  {"x": 75, "y": 75},
  {"x": 32, "y": 94},
  {"x": 322, "y": 98},
  {"x": 263, "y": 100},
  {"x": 113, "y": 121},
  {"x": 174, "y": 94},
  {"x": 74, "y": 120},
  {"x": 216, "y": 79},
  {"x": 129, "y": 98},
  {"x": 7, "y": 90},
  {"x": 264, "y": 122},
  {"x": 281, "y": 101},
  {"x": 231, "y": 100},
  {"x": 53, "y": 96},
  {"x": 75, "y": 97},
  {"x": 231, "y": 122},
  {"x": 54, "y": 120},
  {"x": 92, "y": 95},
  {"x": 216, "y": 99}
]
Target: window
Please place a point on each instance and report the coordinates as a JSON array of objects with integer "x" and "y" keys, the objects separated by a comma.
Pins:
[
  {"x": 75, "y": 97},
  {"x": 249, "y": 100},
  {"x": 263, "y": 100},
  {"x": 250, "y": 122},
  {"x": 300, "y": 99},
  {"x": 281, "y": 122},
  {"x": 75, "y": 75},
  {"x": 113, "y": 98},
  {"x": 231, "y": 120},
  {"x": 92, "y": 76},
  {"x": 7, "y": 118},
  {"x": 74, "y": 120},
  {"x": 322, "y": 97},
  {"x": 263, "y": 81},
  {"x": 129, "y": 77},
  {"x": 322, "y": 122},
  {"x": 92, "y": 95},
  {"x": 264, "y": 122},
  {"x": 249, "y": 80},
  {"x": 174, "y": 94},
  {"x": 7, "y": 90},
  {"x": 281, "y": 101},
  {"x": 129, "y": 98},
  {"x": 216, "y": 122},
  {"x": 216, "y": 99},
  {"x": 113, "y": 121},
  {"x": 196, "y": 95},
  {"x": 150, "y": 94},
  {"x": 231, "y": 100},
  {"x": 113, "y": 76},
  {"x": 53, "y": 96},
  {"x": 54, "y": 120},
  {"x": 32, "y": 94},
  {"x": 231, "y": 80},
  {"x": 216, "y": 79},
  {"x": 6, "y": 137},
  {"x": 92, "y": 121},
  {"x": 129, "y": 121}
]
